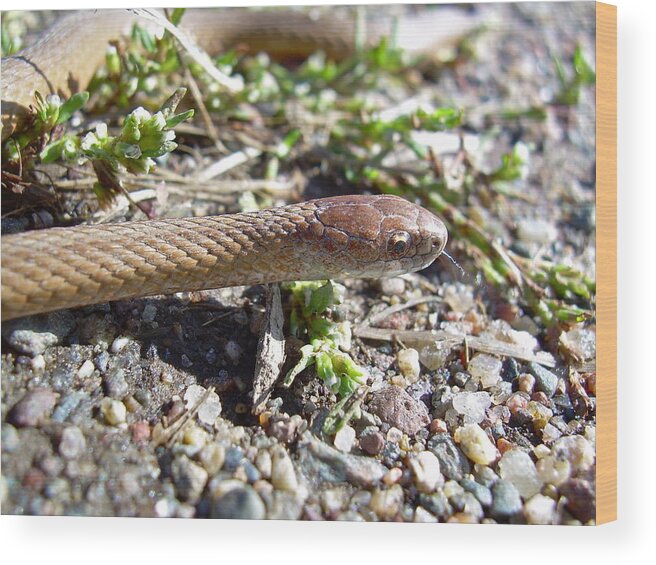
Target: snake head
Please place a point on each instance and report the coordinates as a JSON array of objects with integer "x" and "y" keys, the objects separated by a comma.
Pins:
[{"x": 377, "y": 236}]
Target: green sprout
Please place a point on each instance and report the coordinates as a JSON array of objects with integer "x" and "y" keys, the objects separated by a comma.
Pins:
[
  {"x": 143, "y": 138},
  {"x": 143, "y": 67},
  {"x": 582, "y": 75},
  {"x": 311, "y": 301},
  {"x": 49, "y": 112}
]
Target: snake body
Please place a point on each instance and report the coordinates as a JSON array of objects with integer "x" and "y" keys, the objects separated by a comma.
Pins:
[
  {"x": 331, "y": 238},
  {"x": 353, "y": 236}
]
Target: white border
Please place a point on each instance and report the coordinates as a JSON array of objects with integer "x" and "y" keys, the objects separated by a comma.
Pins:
[{"x": 192, "y": 542}]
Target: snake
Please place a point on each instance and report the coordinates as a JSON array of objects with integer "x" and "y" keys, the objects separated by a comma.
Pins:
[{"x": 362, "y": 236}]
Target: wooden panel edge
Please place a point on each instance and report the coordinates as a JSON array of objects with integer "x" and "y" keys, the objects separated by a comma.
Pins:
[{"x": 606, "y": 271}]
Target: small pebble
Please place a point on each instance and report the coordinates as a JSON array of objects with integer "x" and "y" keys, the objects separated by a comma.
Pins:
[
  {"x": 283, "y": 474},
  {"x": 34, "y": 334},
  {"x": 10, "y": 438},
  {"x": 149, "y": 313},
  {"x": 34, "y": 408},
  {"x": 396, "y": 407},
  {"x": 114, "y": 411},
  {"x": 517, "y": 467},
  {"x": 211, "y": 457},
  {"x": 577, "y": 450},
  {"x": 233, "y": 351},
  {"x": 525, "y": 383},
  {"x": 482, "y": 493},
  {"x": 394, "y": 435},
  {"x": 264, "y": 463},
  {"x": 345, "y": 439},
  {"x": 86, "y": 369},
  {"x": 545, "y": 380},
  {"x": 140, "y": 431},
  {"x": 540, "y": 509},
  {"x": 426, "y": 470},
  {"x": 434, "y": 356},
  {"x": 453, "y": 462},
  {"x": 579, "y": 344},
  {"x": 438, "y": 426},
  {"x": 72, "y": 443},
  {"x": 393, "y": 476},
  {"x": 581, "y": 499},
  {"x": 472, "y": 405},
  {"x": 476, "y": 444},
  {"x": 119, "y": 344},
  {"x": 408, "y": 362},
  {"x": 393, "y": 286},
  {"x": 485, "y": 370},
  {"x": 233, "y": 499},
  {"x": 537, "y": 231},
  {"x": 195, "y": 437},
  {"x": 423, "y": 516},
  {"x": 386, "y": 503},
  {"x": 115, "y": 384},
  {"x": 506, "y": 501},
  {"x": 189, "y": 478},
  {"x": 211, "y": 407},
  {"x": 372, "y": 443},
  {"x": 38, "y": 363}
]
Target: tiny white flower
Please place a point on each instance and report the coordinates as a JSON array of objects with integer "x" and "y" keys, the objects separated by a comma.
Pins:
[
  {"x": 158, "y": 121},
  {"x": 89, "y": 140},
  {"x": 101, "y": 131},
  {"x": 53, "y": 100},
  {"x": 140, "y": 114}
]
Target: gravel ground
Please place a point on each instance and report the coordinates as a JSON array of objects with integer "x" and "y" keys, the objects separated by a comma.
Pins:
[{"x": 142, "y": 408}]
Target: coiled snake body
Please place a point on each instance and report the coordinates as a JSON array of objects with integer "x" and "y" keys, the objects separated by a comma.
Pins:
[{"x": 356, "y": 236}]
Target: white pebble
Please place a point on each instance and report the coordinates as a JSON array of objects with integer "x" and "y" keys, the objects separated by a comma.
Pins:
[
  {"x": 38, "y": 362},
  {"x": 344, "y": 439},
  {"x": 553, "y": 471},
  {"x": 472, "y": 405},
  {"x": 536, "y": 231},
  {"x": 114, "y": 411},
  {"x": 233, "y": 351},
  {"x": 394, "y": 435},
  {"x": 426, "y": 470},
  {"x": 85, "y": 370},
  {"x": 485, "y": 369},
  {"x": 540, "y": 509},
  {"x": 517, "y": 467},
  {"x": 475, "y": 444},
  {"x": 408, "y": 362},
  {"x": 119, "y": 344},
  {"x": 577, "y": 450},
  {"x": 163, "y": 508},
  {"x": 283, "y": 475},
  {"x": 263, "y": 463}
]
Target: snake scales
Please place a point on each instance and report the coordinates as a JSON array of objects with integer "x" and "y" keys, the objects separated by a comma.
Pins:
[{"x": 359, "y": 236}]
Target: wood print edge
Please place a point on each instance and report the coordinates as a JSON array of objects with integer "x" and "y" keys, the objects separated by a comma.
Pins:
[{"x": 606, "y": 236}]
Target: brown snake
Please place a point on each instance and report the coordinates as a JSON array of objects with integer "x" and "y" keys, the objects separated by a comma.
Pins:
[{"x": 351, "y": 236}]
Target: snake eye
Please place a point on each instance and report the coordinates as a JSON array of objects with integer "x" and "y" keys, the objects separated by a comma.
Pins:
[{"x": 399, "y": 243}]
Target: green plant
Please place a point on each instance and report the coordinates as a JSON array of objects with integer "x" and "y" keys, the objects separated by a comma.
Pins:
[{"x": 328, "y": 340}]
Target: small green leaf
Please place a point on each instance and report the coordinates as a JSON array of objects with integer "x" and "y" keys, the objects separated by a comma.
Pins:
[
  {"x": 72, "y": 105},
  {"x": 176, "y": 15},
  {"x": 307, "y": 359},
  {"x": 179, "y": 118},
  {"x": 286, "y": 145},
  {"x": 321, "y": 299}
]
